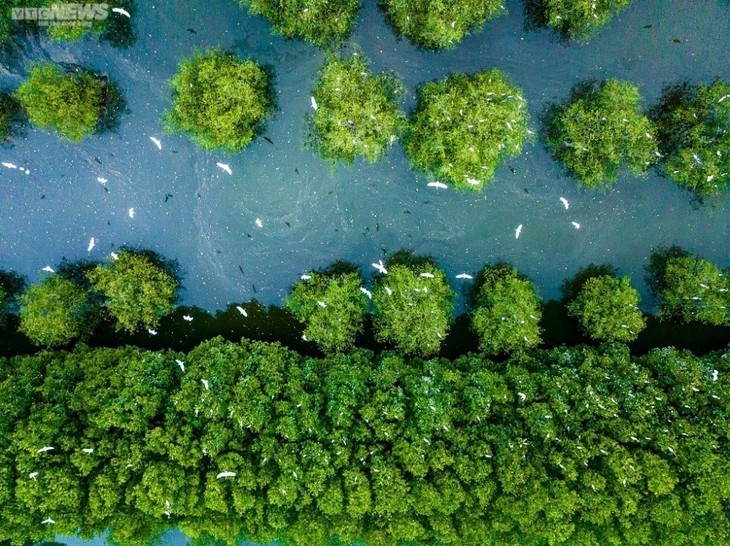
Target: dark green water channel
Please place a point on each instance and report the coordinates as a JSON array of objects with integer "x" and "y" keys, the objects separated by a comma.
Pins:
[{"x": 312, "y": 214}]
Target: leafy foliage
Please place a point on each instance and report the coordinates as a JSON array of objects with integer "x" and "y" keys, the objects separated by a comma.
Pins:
[
  {"x": 320, "y": 22},
  {"x": 434, "y": 24},
  {"x": 507, "y": 311},
  {"x": 565, "y": 446},
  {"x": 56, "y": 311},
  {"x": 138, "y": 292},
  {"x": 607, "y": 309},
  {"x": 219, "y": 100},
  {"x": 693, "y": 123},
  {"x": 357, "y": 114},
  {"x": 691, "y": 288},
  {"x": 70, "y": 103},
  {"x": 465, "y": 125},
  {"x": 413, "y": 306},
  {"x": 332, "y": 308},
  {"x": 574, "y": 19},
  {"x": 601, "y": 130}
]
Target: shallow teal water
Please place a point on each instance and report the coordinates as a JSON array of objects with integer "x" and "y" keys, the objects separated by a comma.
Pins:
[{"x": 355, "y": 212}]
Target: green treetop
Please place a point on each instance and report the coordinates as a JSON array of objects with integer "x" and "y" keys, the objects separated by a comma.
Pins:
[
  {"x": 413, "y": 306},
  {"x": 55, "y": 311},
  {"x": 357, "y": 113},
  {"x": 607, "y": 309},
  {"x": 507, "y": 311},
  {"x": 70, "y": 103},
  {"x": 575, "y": 19},
  {"x": 465, "y": 125},
  {"x": 601, "y": 130},
  {"x": 691, "y": 288},
  {"x": 320, "y": 22},
  {"x": 219, "y": 101},
  {"x": 331, "y": 306},
  {"x": 693, "y": 123},
  {"x": 138, "y": 292},
  {"x": 439, "y": 24}
]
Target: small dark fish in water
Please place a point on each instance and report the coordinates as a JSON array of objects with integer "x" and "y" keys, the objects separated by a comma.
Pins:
[
  {"x": 646, "y": 26},
  {"x": 296, "y": 170},
  {"x": 287, "y": 224},
  {"x": 253, "y": 286},
  {"x": 174, "y": 151},
  {"x": 218, "y": 251},
  {"x": 106, "y": 189},
  {"x": 525, "y": 190},
  {"x": 676, "y": 41},
  {"x": 249, "y": 236},
  {"x": 267, "y": 139},
  {"x": 241, "y": 270},
  {"x": 330, "y": 192},
  {"x": 198, "y": 195},
  {"x": 43, "y": 196},
  {"x": 97, "y": 160},
  {"x": 406, "y": 211},
  {"x": 167, "y": 196},
  {"x": 191, "y": 31}
]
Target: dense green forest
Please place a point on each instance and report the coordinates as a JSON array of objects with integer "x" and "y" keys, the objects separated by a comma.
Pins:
[{"x": 566, "y": 446}]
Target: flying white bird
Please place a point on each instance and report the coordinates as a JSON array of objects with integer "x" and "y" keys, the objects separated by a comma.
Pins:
[
  {"x": 259, "y": 223},
  {"x": 92, "y": 244},
  {"x": 27, "y": 171},
  {"x": 205, "y": 384},
  {"x": 522, "y": 395},
  {"x": 518, "y": 231},
  {"x": 380, "y": 267},
  {"x": 242, "y": 310},
  {"x": 187, "y": 318},
  {"x": 322, "y": 304},
  {"x": 472, "y": 181},
  {"x": 180, "y": 363},
  {"x": 426, "y": 275},
  {"x": 225, "y": 474},
  {"x": 102, "y": 180},
  {"x": 157, "y": 142},
  {"x": 114, "y": 256},
  {"x": 565, "y": 203},
  {"x": 88, "y": 450},
  {"x": 388, "y": 291},
  {"x": 47, "y": 521},
  {"x": 715, "y": 375},
  {"x": 33, "y": 475},
  {"x": 366, "y": 292},
  {"x": 576, "y": 225},
  {"x": 225, "y": 167},
  {"x": 464, "y": 276},
  {"x": 48, "y": 269},
  {"x": 723, "y": 98},
  {"x": 437, "y": 185},
  {"x": 305, "y": 277},
  {"x": 121, "y": 11},
  {"x": 314, "y": 103},
  {"x": 9, "y": 165},
  {"x": 152, "y": 332},
  {"x": 44, "y": 449},
  {"x": 130, "y": 212}
]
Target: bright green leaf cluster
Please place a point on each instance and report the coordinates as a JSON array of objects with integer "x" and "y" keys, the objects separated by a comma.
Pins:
[
  {"x": 55, "y": 312},
  {"x": 219, "y": 100},
  {"x": 465, "y": 125},
  {"x": 507, "y": 311},
  {"x": 357, "y": 112},
  {"x": 601, "y": 130},
  {"x": 691, "y": 288},
  {"x": 693, "y": 122},
  {"x": 138, "y": 292},
  {"x": 413, "y": 306},
  {"x": 320, "y": 22},
  {"x": 331, "y": 306},
  {"x": 578, "y": 19},
  {"x": 439, "y": 24},
  {"x": 70, "y": 103},
  {"x": 565, "y": 446},
  {"x": 607, "y": 309}
]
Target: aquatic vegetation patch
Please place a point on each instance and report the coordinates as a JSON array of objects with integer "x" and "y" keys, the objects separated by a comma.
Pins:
[
  {"x": 355, "y": 110},
  {"x": 693, "y": 123},
  {"x": 465, "y": 125},
  {"x": 220, "y": 101},
  {"x": 601, "y": 130},
  {"x": 439, "y": 24},
  {"x": 320, "y": 22}
]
